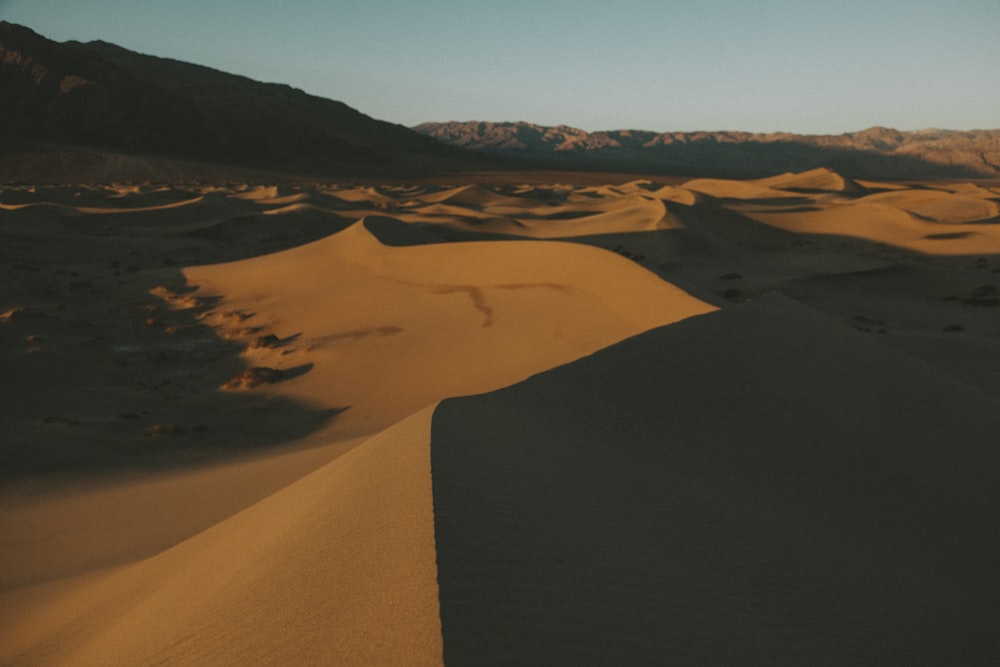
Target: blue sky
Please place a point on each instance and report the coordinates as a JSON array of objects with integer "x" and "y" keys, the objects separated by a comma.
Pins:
[{"x": 825, "y": 66}]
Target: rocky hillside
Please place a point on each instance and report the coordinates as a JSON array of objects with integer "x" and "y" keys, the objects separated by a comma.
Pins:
[
  {"x": 875, "y": 153},
  {"x": 98, "y": 96}
]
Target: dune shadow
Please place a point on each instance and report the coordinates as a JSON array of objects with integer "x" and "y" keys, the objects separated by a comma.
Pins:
[
  {"x": 802, "y": 203},
  {"x": 947, "y": 236},
  {"x": 586, "y": 504},
  {"x": 396, "y": 233},
  {"x": 110, "y": 363},
  {"x": 296, "y": 371}
]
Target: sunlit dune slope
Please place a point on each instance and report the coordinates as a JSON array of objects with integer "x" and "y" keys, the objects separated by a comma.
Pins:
[
  {"x": 337, "y": 568},
  {"x": 942, "y": 206},
  {"x": 728, "y": 189},
  {"x": 892, "y": 224},
  {"x": 386, "y": 330},
  {"x": 814, "y": 180}
]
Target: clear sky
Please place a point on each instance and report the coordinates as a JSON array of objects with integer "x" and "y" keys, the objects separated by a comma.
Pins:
[{"x": 810, "y": 66}]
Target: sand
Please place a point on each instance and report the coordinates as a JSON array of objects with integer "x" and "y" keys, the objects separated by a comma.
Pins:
[
  {"x": 792, "y": 509},
  {"x": 521, "y": 419}
]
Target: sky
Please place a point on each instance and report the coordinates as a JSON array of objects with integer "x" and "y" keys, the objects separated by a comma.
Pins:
[{"x": 806, "y": 66}]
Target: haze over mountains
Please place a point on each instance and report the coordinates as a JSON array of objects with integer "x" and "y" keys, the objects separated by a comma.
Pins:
[
  {"x": 61, "y": 102},
  {"x": 877, "y": 152}
]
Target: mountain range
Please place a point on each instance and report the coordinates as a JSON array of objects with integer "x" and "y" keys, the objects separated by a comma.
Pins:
[
  {"x": 877, "y": 152},
  {"x": 75, "y": 96},
  {"x": 71, "y": 110}
]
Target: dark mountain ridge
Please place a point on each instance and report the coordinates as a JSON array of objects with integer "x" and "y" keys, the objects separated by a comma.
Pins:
[
  {"x": 877, "y": 152},
  {"x": 98, "y": 96}
]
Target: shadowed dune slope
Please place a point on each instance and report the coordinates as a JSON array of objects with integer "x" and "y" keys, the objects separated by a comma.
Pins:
[{"x": 759, "y": 485}]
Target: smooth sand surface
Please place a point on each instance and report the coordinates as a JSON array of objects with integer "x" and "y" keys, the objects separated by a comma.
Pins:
[
  {"x": 707, "y": 421},
  {"x": 336, "y": 568}
]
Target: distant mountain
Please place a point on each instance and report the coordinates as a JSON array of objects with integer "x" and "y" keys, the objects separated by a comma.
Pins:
[
  {"x": 873, "y": 153},
  {"x": 98, "y": 96}
]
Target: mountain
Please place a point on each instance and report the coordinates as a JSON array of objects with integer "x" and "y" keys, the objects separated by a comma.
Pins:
[
  {"x": 71, "y": 110},
  {"x": 873, "y": 153},
  {"x": 75, "y": 98}
]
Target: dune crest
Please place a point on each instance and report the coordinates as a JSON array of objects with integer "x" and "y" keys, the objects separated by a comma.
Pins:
[
  {"x": 425, "y": 311},
  {"x": 728, "y": 189}
]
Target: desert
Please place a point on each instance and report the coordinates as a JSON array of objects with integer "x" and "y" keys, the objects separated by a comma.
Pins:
[
  {"x": 526, "y": 414},
  {"x": 284, "y": 384}
]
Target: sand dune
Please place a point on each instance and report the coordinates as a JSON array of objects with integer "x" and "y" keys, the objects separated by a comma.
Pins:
[
  {"x": 815, "y": 180},
  {"x": 475, "y": 195},
  {"x": 631, "y": 507},
  {"x": 533, "y": 422},
  {"x": 628, "y": 213},
  {"x": 424, "y": 314},
  {"x": 679, "y": 195},
  {"x": 890, "y": 224},
  {"x": 726, "y": 189},
  {"x": 939, "y": 206}
]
